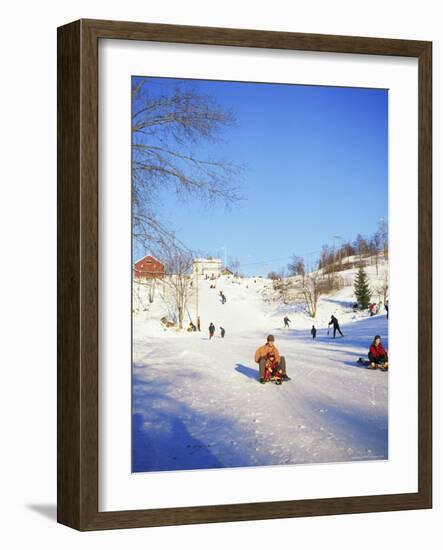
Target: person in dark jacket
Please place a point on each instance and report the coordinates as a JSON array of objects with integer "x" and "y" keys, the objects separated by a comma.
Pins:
[
  {"x": 387, "y": 309},
  {"x": 334, "y": 323},
  {"x": 211, "y": 330},
  {"x": 313, "y": 332},
  {"x": 286, "y": 321},
  {"x": 222, "y": 332},
  {"x": 377, "y": 354}
]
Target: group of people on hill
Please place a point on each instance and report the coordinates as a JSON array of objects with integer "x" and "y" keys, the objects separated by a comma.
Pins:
[
  {"x": 334, "y": 322},
  {"x": 211, "y": 329},
  {"x": 374, "y": 308},
  {"x": 272, "y": 365}
]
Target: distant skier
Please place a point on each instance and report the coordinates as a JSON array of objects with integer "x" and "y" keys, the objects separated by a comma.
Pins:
[
  {"x": 211, "y": 330},
  {"x": 222, "y": 332},
  {"x": 313, "y": 332},
  {"x": 286, "y": 321},
  {"x": 377, "y": 355},
  {"x": 264, "y": 354},
  {"x": 223, "y": 297},
  {"x": 334, "y": 323}
]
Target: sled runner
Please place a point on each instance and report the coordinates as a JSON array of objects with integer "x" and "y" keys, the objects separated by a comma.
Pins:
[{"x": 367, "y": 363}]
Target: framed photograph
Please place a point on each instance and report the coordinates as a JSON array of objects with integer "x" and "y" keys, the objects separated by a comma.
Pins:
[{"x": 244, "y": 275}]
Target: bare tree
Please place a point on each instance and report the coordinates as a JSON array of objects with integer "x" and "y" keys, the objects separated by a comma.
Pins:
[
  {"x": 178, "y": 265},
  {"x": 374, "y": 248},
  {"x": 382, "y": 231},
  {"x": 296, "y": 266},
  {"x": 383, "y": 287},
  {"x": 168, "y": 128},
  {"x": 144, "y": 288},
  {"x": 361, "y": 246},
  {"x": 234, "y": 266},
  {"x": 311, "y": 290},
  {"x": 283, "y": 286}
]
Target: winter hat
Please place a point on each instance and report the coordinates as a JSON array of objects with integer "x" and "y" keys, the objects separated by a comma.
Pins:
[{"x": 270, "y": 338}]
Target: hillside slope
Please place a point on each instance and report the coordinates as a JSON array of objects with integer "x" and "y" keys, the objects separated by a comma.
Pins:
[{"x": 197, "y": 403}]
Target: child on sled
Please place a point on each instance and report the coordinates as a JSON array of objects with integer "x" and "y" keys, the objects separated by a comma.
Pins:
[{"x": 273, "y": 373}]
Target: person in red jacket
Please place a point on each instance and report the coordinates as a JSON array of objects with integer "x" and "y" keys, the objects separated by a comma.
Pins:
[{"x": 377, "y": 355}]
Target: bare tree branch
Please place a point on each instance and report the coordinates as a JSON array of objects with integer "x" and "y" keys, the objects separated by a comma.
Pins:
[{"x": 169, "y": 131}]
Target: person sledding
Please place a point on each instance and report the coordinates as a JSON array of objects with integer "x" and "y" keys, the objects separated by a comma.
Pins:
[
  {"x": 335, "y": 325},
  {"x": 378, "y": 357},
  {"x": 264, "y": 354}
]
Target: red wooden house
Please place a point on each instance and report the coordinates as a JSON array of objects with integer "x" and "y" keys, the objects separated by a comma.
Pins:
[{"x": 149, "y": 268}]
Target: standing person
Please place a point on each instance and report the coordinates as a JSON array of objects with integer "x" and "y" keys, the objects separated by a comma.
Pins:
[
  {"x": 222, "y": 332},
  {"x": 211, "y": 330},
  {"x": 334, "y": 323},
  {"x": 264, "y": 353},
  {"x": 198, "y": 324},
  {"x": 377, "y": 354},
  {"x": 313, "y": 332},
  {"x": 286, "y": 321},
  {"x": 387, "y": 309},
  {"x": 223, "y": 297}
]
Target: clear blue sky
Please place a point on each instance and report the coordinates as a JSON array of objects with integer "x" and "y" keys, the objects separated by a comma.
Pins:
[{"x": 315, "y": 165}]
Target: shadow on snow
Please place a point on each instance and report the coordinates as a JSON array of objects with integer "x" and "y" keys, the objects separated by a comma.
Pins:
[{"x": 247, "y": 371}]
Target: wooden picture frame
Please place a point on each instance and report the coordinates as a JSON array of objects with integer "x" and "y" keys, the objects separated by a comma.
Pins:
[{"x": 78, "y": 274}]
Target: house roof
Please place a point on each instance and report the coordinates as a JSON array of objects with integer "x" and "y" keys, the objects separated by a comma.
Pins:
[
  {"x": 202, "y": 260},
  {"x": 149, "y": 256}
]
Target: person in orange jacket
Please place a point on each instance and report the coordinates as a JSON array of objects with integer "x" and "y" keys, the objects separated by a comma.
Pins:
[{"x": 262, "y": 355}]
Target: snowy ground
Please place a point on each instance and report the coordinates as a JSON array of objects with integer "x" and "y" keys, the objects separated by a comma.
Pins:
[{"x": 198, "y": 404}]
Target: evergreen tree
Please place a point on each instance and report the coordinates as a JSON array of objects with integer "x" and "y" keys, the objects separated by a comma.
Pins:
[{"x": 361, "y": 288}]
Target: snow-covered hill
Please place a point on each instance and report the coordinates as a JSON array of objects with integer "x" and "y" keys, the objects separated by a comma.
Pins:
[{"x": 197, "y": 402}]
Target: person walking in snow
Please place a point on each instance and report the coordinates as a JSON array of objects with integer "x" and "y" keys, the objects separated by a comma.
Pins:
[
  {"x": 313, "y": 332},
  {"x": 286, "y": 321},
  {"x": 223, "y": 297},
  {"x": 211, "y": 330},
  {"x": 377, "y": 355},
  {"x": 335, "y": 324},
  {"x": 222, "y": 332},
  {"x": 264, "y": 354}
]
